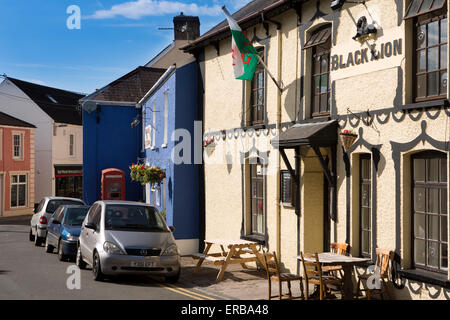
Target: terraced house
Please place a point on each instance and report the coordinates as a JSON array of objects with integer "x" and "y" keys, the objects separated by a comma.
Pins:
[{"x": 280, "y": 174}]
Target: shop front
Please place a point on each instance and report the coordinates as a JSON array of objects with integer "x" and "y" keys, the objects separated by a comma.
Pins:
[{"x": 69, "y": 181}]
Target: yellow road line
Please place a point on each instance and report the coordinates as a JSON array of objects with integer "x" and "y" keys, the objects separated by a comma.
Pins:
[{"x": 185, "y": 292}]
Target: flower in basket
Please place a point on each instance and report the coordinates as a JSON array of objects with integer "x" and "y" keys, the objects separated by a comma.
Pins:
[
  {"x": 147, "y": 174},
  {"x": 209, "y": 142},
  {"x": 348, "y": 137}
]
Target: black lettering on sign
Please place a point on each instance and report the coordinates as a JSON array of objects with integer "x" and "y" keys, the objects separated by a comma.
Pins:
[
  {"x": 334, "y": 63},
  {"x": 357, "y": 57},
  {"x": 397, "y": 47},
  {"x": 364, "y": 57},
  {"x": 388, "y": 50},
  {"x": 350, "y": 60},
  {"x": 341, "y": 65}
]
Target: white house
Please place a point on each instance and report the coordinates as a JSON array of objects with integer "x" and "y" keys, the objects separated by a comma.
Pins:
[{"x": 58, "y": 134}]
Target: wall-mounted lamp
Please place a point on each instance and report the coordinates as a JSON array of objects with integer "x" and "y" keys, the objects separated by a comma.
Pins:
[{"x": 337, "y": 4}]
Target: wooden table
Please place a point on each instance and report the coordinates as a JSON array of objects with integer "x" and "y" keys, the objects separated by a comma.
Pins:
[
  {"x": 230, "y": 253},
  {"x": 347, "y": 263}
]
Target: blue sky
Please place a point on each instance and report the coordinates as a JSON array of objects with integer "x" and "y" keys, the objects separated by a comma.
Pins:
[{"x": 115, "y": 37}]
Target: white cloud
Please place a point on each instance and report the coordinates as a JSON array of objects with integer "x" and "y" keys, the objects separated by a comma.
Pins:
[{"x": 141, "y": 8}]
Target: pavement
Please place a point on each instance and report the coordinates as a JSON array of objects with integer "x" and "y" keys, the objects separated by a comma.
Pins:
[{"x": 21, "y": 260}]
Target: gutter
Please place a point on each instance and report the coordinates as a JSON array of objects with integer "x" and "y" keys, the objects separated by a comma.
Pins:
[{"x": 226, "y": 28}]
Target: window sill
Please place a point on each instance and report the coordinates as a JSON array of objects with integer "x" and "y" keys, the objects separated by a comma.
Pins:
[
  {"x": 287, "y": 205},
  {"x": 426, "y": 104},
  {"x": 259, "y": 239},
  {"x": 164, "y": 145},
  {"x": 429, "y": 277},
  {"x": 255, "y": 127}
]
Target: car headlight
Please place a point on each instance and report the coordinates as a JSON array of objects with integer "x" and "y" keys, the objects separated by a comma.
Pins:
[
  {"x": 171, "y": 250},
  {"x": 71, "y": 237},
  {"x": 111, "y": 248}
]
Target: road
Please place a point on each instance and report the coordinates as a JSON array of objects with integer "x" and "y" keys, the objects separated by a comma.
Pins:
[{"x": 27, "y": 272}]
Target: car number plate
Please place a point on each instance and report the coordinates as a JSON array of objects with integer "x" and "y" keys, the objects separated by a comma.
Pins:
[{"x": 145, "y": 264}]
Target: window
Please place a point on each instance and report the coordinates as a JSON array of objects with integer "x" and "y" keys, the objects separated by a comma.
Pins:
[
  {"x": 18, "y": 146},
  {"x": 18, "y": 190},
  {"x": 154, "y": 125},
  {"x": 287, "y": 189},
  {"x": 166, "y": 117},
  {"x": 148, "y": 137},
  {"x": 365, "y": 207},
  {"x": 320, "y": 44},
  {"x": 71, "y": 144},
  {"x": 257, "y": 97},
  {"x": 429, "y": 211},
  {"x": 257, "y": 198},
  {"x": 430, "y": 24}
]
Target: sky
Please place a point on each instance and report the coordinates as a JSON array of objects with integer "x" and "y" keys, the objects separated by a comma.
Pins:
[{"x": 114, "y": 37}]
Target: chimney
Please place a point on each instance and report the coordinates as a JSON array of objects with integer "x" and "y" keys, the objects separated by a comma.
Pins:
[{"x": 186, "y": 27}]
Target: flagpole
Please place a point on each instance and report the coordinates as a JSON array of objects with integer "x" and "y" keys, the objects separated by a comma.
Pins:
[{"x": 270, "y": 74}]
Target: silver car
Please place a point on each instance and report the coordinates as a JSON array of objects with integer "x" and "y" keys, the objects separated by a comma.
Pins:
[
  {"x": 122, "y": 237},
  {"x": 43, "y": 212}
]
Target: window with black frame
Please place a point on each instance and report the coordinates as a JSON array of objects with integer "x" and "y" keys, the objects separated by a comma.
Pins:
[
  {"x": 257, "y": 197},
  {"x": 430, "y": 34},
  {"x": 429, "y": 211},
  {"x": 320, "y": 44},
  {"x": 257, "y": 98},
  {"x": 287, "y": 189}
]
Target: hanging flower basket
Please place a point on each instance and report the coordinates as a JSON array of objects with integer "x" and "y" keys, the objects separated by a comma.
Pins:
[
  {"x": 347, "y": 139},
  {"x": 209, "y": 145},
  {"x": 146, "y": 174}
]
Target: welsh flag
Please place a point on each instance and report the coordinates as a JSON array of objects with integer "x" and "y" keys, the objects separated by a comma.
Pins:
[{"x": 244, "y": 54}]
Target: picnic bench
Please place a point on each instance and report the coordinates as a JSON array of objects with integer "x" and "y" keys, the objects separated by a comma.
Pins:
[{"x": 231, "y": 252}]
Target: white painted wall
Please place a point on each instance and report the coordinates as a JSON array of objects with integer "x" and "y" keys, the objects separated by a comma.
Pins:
[{"x": 60, "y": 147}]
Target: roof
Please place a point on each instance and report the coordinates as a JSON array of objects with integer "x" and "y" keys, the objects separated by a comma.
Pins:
[
  {"x": 7, "y": 120},
  {"x": 158, "y": 84},
  {"x": 60, "y": 105},
  {"x": 128, "y": 88},
  {"x": 247, "y": 16},
  {"x": 320, "y": 134}
]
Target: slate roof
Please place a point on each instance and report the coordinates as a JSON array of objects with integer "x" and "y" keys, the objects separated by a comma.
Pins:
[
  {"x": 129, "y": 88},
  {"x": 7, "y": 120},
  {"x": 60, "y": 105},
  {"x": 247, "y": 16}
]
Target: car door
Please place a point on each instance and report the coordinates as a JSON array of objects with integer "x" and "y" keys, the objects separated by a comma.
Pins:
[
  {"x": 96, "y": 235},
  {"x": 52, "y": 228},
  {"x": 86, "y": 238},
  {"x": 36, "y": 215}
]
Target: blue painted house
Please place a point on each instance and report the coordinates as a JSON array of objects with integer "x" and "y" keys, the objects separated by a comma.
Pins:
[
  {"x": 172, "y": 105},
  {"x": 112, "y": 128}
]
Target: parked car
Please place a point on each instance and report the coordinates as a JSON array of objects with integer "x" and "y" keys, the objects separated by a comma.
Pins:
[
  {"x": 64, "y": 229},
  {"x": 122, "y": 237},
  {"x": 45, "y": 210}
]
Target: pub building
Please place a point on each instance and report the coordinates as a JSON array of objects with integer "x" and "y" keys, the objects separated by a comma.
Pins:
[
  {"x": 376, "y": 71},
  {"x": 69, "y": 181}
]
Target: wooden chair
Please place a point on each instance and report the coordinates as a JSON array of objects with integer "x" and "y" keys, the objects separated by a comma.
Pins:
[
  {"x": 339, "y": 248},
  {"x": 274, "y": 274},
  {"x": 312, "y": 271},
  {"x": 383, "y": 261}
]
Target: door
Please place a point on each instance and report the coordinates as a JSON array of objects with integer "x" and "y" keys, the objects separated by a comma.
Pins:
[{"x": 86, "y": 242}]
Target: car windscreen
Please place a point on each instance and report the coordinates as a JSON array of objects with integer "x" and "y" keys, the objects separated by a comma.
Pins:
[
  {"x": 75, "y": 216},
  {"x": 54, "y": 204},
  {"x": 133, "y": 218}
]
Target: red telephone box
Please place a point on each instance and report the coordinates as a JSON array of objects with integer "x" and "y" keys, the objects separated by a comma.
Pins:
[{"x": 113, "y": 184}]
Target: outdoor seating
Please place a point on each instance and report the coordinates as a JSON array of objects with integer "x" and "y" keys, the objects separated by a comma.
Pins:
[
  {"x": 313, "y": 274},
  {"x": 274, "y": 274},
  {"x": 382, "y": 263},
  {"x": 339, "y": 248}
]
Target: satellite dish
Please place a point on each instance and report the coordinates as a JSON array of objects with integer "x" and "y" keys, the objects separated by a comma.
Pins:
[{"x": 89, "y": 106}]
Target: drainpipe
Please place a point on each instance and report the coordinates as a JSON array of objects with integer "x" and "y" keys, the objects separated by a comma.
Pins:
[{"x": 279, "y": 92}]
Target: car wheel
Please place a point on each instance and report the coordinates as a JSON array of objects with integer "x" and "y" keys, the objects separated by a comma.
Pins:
[
  {"x": 79, "y": 259},
  {"x": 37, "y": 240},
  {"x": 31, "y": 235},
  {"x": 173, "y": 279},
  {"x": 96, "y": 268},
  {"x": 61, "y": 255},
  {"x": 48, "y": 248}
]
